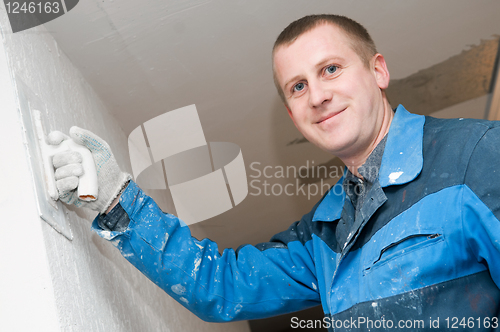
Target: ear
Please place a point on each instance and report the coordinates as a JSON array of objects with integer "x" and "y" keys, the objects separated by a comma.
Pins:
[{"x": 381, "y": 72}]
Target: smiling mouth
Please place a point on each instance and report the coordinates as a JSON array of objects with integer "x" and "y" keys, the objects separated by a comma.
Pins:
[{"x": 329, "y": 116}]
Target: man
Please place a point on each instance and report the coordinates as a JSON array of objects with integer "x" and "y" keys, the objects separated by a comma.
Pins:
[{"x": 408, "y": 238}]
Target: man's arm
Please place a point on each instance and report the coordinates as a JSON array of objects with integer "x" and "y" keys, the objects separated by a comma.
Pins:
[
  {"x": 245, "y": 284},
  {"x": 252, "y": 282},
  {"x": 481, "y": 201}
]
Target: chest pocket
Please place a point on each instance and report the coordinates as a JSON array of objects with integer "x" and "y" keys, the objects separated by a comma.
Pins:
[{"x": 406, "y": 248}]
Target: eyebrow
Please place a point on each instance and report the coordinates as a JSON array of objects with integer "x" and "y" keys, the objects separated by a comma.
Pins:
[
  {"x": 285, "y": 87},
  {"x": 337, "y": 59},
  {"x": 320, "y": 64}
]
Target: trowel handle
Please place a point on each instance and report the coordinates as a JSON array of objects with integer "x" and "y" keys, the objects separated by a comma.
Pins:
[{"x": 88, "y": 183}]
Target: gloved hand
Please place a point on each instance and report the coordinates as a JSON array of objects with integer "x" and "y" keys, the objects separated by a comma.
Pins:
[{"x": 111, "y": 179}]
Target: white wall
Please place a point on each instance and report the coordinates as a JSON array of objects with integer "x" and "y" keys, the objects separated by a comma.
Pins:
[{"x": 48, "y": 283}]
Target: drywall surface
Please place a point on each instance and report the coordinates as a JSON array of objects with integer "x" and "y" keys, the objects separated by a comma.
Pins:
[
  {"x": 78, "y": 285},
  {"x": 27, "y": 300}
]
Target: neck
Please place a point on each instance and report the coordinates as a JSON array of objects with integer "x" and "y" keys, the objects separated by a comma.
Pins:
[{"x": 353, "y": 162}]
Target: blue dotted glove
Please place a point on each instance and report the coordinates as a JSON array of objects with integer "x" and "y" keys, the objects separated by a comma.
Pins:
[{"x": 68, "y": 168}]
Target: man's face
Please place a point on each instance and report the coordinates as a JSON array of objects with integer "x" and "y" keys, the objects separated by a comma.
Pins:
[{"x": 333, "y": 98}]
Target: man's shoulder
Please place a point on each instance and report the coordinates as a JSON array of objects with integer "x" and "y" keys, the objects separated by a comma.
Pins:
[
  {"x": 450, "y": 143},
  {"x": 455, "y": 132},
  {"x": 457, "y": 125}
]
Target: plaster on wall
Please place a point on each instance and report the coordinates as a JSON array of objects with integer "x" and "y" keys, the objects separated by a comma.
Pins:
[
  {"x": 25, "y": 283},
  {"x": 93, "y": 287}
]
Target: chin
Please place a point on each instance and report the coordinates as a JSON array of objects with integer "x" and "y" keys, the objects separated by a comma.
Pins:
[
  {"x": 330, "y": 149},
  {"x": 335, "y": 149}
]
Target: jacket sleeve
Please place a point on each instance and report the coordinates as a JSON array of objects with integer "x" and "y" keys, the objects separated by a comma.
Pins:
[
  {"x": 252, "y": 282},
  {"x": 481, "y": 202}
]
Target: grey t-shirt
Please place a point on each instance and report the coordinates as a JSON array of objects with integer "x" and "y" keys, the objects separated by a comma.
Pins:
[{"x": 356, "y": 189}]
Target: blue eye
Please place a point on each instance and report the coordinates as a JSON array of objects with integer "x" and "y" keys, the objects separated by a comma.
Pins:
[
  {"x": 298, "y": 87},
  {"x": 331, "y": 69}
]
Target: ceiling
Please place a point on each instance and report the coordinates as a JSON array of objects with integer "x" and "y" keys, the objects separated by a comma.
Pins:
[{"x": 144, "y": 58}]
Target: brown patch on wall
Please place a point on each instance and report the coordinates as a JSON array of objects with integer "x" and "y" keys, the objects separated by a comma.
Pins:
[{"x": 460, "y": 78}]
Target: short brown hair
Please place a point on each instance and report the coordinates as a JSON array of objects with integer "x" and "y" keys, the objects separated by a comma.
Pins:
[{"x": 362, "y": 42}]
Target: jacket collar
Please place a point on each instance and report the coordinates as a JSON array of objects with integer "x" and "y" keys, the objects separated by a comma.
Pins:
[
  {"x": 402, "y": 162},
  {"x": 332, "y": 204}
]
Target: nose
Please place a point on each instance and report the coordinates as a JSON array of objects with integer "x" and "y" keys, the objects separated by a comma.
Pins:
[{"x": 319, "y": 94}]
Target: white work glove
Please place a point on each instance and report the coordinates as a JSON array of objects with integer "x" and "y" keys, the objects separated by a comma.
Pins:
[{"x": 67, "y": 164}]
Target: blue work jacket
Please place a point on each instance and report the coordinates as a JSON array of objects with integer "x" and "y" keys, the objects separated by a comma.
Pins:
[{"x": 425, "y": 251}]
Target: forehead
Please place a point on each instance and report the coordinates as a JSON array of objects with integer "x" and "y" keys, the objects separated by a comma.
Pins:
[{"x": 310, "y": 48}]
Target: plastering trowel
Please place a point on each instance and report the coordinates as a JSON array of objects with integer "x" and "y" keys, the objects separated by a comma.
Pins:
[
  {"x": 40, "y": 154},
  {"x": 50, "y": 208},
  {"x": 88, "y": 185}
]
